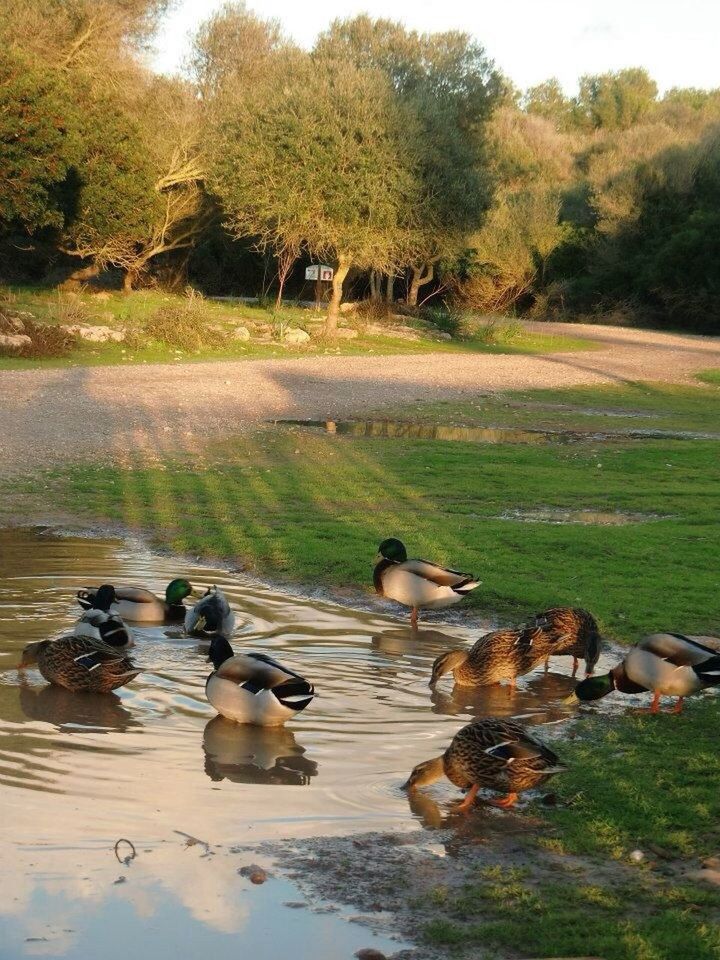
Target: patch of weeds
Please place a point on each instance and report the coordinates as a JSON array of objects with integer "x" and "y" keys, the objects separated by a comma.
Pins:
[{"x": 184, "y": 325}]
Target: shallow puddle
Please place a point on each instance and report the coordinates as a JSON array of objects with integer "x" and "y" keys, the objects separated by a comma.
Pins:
[
  {"x": 79, "y": 772},
  {"x": 588, "y": 517},
  {"x": 409, "y": 430}
]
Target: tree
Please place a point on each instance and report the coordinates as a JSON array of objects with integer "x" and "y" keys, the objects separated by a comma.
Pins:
[
  {"x": 615, "y": 100},
  {"x": 548, "y": 101},
  {"x": 33, "y": 131},
  {"x": 316, "y": 156},
  {"x": 449, "y": 85}
]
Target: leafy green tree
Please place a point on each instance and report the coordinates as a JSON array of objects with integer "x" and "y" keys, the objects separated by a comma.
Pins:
[
  {"x": 33, "y": 131},
  {"x": 449, "y": 85},
  {"x": 615, "y": 100},
  {"x": 547, "y": 100},
  {"x": 315, "y": 156}
]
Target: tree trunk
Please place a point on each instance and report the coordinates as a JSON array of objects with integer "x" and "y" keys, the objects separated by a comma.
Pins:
[
  {"x": 419, "y": 279},
  {"x": 390, "y": 289},
  {"x": 128, "y": 280},
  {"x": 374, "y": 286},
  {"x": 333, "y": 314},
  {"x": 80, "y": 276}
]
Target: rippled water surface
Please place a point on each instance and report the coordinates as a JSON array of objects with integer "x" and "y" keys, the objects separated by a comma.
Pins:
[{"x": 78, "y": 772}]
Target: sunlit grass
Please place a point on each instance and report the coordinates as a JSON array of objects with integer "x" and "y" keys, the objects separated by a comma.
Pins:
[{"x": 117, "y": 311}]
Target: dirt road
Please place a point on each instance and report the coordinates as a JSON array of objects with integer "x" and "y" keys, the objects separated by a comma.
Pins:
[{"x": 52, "y": 416}]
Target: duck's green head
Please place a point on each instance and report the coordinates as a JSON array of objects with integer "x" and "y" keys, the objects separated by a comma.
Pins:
[
  {"x": 393, "y": 549},
  {"x": 177, "y": 590},
  {"x": 593, "y": 688}
]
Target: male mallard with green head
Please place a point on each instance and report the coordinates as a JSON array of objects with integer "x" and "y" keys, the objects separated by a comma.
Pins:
[
  {"x": 418, "y": 584},
  {"x": 669, "y": 664},
  {"x": 141, "y": 605},
  {"x": 497, "y": 754}
]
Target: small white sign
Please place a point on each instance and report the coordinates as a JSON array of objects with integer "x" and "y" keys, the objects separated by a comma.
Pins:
[{"x": 319, "y": 271}]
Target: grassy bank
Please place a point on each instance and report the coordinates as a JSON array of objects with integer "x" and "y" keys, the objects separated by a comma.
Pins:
[
  {"x": 312, "y": 507},
  {"x": 614, "y": 870},
  {"x": 136, "y": 312}
]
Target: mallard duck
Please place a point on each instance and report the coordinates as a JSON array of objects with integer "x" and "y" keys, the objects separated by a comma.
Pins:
[
  {"x": 80, "y": 664},
  {"x": 418, "y": 584},
  {"x": 141, "y": 605},
  {"x": 572, "y": 632},
  {"x": 501, "y": 655},
  {"x": 211, "y": 615},
  {"x": 254, "y": 688},
  {"x": 98, "y": 623},
  {"x": 664, "y": 663},
  {"x": 497, "y": 754}
]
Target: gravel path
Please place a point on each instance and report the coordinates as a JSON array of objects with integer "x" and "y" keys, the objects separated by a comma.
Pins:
[{"x": 53, "y": 416}]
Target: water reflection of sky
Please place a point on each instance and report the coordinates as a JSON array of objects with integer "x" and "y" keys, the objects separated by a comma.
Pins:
[{"x": 77, "y": 773}]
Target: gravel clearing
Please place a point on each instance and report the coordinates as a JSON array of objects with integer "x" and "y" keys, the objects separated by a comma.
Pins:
[{"x": 61, "y": 415}]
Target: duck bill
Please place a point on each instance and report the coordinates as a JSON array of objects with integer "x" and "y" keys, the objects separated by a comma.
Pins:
[{"x": 572, "y": 700}]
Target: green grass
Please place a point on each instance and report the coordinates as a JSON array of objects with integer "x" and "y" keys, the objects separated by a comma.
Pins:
[
  {"x": 310, "y": 507},
  {"x": 647, "y": 783},
  {"x": 119, "y": 311},
  {"x": 710, "y": 376}
]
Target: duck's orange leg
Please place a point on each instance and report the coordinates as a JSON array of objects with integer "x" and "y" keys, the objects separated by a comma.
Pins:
[
  {"x": 547, "y": 664},
  {"x": 513, "y": 680},
  {"x": 469, "y": 799},
  {"x": 654, "y": 706},
  {"x": 414, "y": 618},
  {"x": 576, "y": 663},
  {"x": 505, "y": 802},
  {"x": 678, "y": 706}
]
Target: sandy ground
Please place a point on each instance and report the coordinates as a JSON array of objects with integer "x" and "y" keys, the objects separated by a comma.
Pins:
[{"x": 52, "y": 416}]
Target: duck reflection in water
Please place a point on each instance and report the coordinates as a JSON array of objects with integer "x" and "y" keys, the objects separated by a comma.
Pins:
[
  {"x": 539, "y": 699},
  {"x": 244, "y": 753},
  {"x": 66, "y": 710},
  {"x": 399, "y": 641}
]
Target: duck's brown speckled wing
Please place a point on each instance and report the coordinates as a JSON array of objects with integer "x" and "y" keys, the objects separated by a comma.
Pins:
[
  {"x": 571, "y": 631},
  {"x": 498, "y": 754},
  {"x": 83, "y": 664},
  {"x": 505, "y": 654}
]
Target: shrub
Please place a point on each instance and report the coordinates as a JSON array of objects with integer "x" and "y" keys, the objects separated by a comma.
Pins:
[
  {"x": 184, "y": 326},
  {"x": 45, "y": 340}
]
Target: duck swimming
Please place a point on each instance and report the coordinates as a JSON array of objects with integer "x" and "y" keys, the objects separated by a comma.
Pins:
[
  {"x": 497, "y": 754},
  {"x": 141, "y": 605},
  {"x": 418, "y": 584},
  {"x": 254, "y": 688},
  {"x": 80, "y": 664},
  {"x": 664, "y": 663},
  {"x": 211, "y": 615},
  {"x": 98, "y": 623}
]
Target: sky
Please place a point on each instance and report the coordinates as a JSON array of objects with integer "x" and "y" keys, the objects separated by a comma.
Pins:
[{"x": 530, "y": 40}]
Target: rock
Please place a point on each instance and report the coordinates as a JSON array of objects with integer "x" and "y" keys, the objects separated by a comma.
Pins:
[
  {"x": 713, "y": 863},
  {"x": 12, "y": 322},
  {"x": 345, "y": 333},
  {"x": 637, "y": 856},
  {"x": 241, "y": 333},
  {"x": 370, "y": 953},
  {"x": 15, "y": 341},
  {"x": 441, "y": 335},
  {"x": 101, "y": 295},
  {"x": 254, "y": 873},
  {"x": 349, "y": 307},
  {"x": 97, "y": 334},
  {"x": 296, "y": 335}
]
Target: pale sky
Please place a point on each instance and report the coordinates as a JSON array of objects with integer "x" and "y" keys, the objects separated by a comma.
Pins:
[{"x": 530, "y": 40}]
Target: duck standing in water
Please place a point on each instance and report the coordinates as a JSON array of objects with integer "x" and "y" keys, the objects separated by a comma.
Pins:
[
  {"x": 141, "y": 605},
  {"x": 98, "y": 623},
  {"x": 664, "y": 663},
  {"x": 418, "y": 584},
  {"x": 254, "y": 688},
  {"x": 497, "y": 656},
  {"x": 497, "y": 754},
  {"x": 571, "y": 631},
  {"x": 210, "y": 616}
]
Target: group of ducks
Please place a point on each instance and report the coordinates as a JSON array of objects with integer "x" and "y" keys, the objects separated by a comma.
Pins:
[{"x": 253, "y": 688}]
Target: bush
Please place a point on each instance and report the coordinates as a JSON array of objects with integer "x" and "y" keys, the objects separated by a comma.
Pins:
[
  {"x": 184, "y": 326},
  {"x": 45, "y": 340}
]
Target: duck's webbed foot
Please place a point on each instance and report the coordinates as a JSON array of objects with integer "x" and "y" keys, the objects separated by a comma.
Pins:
[{"x": 504, "y": 803}]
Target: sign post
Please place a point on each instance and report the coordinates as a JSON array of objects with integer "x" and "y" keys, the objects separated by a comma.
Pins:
[{"x": 320, "y": 273}]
